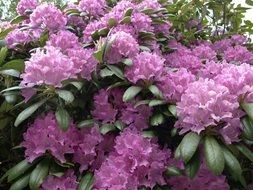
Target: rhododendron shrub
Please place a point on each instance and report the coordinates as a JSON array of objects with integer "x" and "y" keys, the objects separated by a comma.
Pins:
[{"x": 126, "y": 95}]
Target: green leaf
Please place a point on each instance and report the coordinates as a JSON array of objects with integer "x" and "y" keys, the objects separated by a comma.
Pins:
[
  {"x": 145, "y": 48},
  {"x": 153, "y": 103},
  {"x": 214, "y": 155},
  {"x": 189, "y": 146},
  {"x": 248, "y": 108},
  {"x": 118, "y": 72},
  {"x": 10, "y": 72},
  {"x": 148, "y": 134},
  {"x": 128, "y": 62},
  {"x": 117, "y": 84},
  {"x": 249, "y": 2},
  {"x": 18, "y": 170},
  {"x": 17, "y": 64},
  {"x": 128, "y": 12},
  {"x": 192, "y": 167},
  {"x": 112, "y": 22},
  {"x": 131, "y": 92},
  {"x": 126, "y": 20},
  {"x": 178, "y": 152},
  {"x": 86, "y": 182},
  {"x": 155, "y": 91},
  {"x": 173, "y": 110},
  {"x": 98, "y": 55},
  {"x": 3, "y": 54},
  {"x": 245, "y": 151},
  {"x": 103, "y": 32},
  {"x": 106, "y": 128},
  {"x": 18, "y": 19},
  {"x": 119, "y": 125},
  {"x": 63, "y": 119},
  {"x": 4, "y": 33},
  {"x": 142, "y": 102},
  {"x": 173, "y": 171},
  {"x": 71, "y": 11},
  {"x": 66, "y": 95},
  {"x": 157, "y": 119},
  {"x": 39, "y": 174},
  {"x": 248, "y": 128},
  {"x": 43, "y": 38},
  {"x": 106, "y": 73},
  {"x": 28, "y": 112},
  {"x": 232, "y": 164},
  {"x": 20, "y": 183},
  {"x": 12, "y": 88},
  {"x": 86, "y": 123}
]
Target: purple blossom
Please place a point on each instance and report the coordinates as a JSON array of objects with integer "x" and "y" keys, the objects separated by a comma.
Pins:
[
  {"x": 141, "y": 22},
  {"x": 26, "y": 5},
  {"x": 238, "y": 54},
  {"x": 17, "y": 37},
  {"x": 135, "y": 162},
  {"x": 92, "y": 27},
  {"x": 66, "y": 182},
  {"x": 211, "y": 69},
  {"x": 64, "y": 40},
  {"x": 51, "y": 138},
  {"x": 174, "y": 84},
  {"x": 204, "y": 180},
  {"x": 207, "y": 104},
  {"x": 204, "y": 52},
  {"x": 94, "y": 8},
  {"x": 48, "y": 16},
  {"x": 146, "y": 67},
  {"x": 124, "y": 46},
  {"x": 222, "y": 45},
  {"x": 48, "y": 66},
  {"x": 238, "y": 39}
]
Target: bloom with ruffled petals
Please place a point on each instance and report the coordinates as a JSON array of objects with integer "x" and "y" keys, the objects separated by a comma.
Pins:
[
  {"x": 17, "y": 37},
  {"x": 45, "y": 135},
  {"x": 48, "y": 16},
  {"x": 205, "y": 103},
  {"x": 135, "y": 162},
  {"x": 222, "y": 45},
  {"x": 146, "y": 66},
  {"x": 66, "y": 182},
  {"x": 64, "y": 40},
  {"x": 142, "y": 22},
  {"x": 238, "y": 39},
  {"x": 238, "y": 54},
  {"x": 174, "y": 84},
  {"x": 204, "y": 52},
  {"x": 94, "y": 8},
  {"x": 26, "y": 5},
  {"x": 48, "y": 66},
  {"x": 124, "y": 46}
]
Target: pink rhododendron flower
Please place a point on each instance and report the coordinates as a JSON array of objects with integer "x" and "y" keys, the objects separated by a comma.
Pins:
[
  {"x": 26, "y": 5},
  {"x": 204, "y": 52},
  {"x": 238, "y": 54},
  {"x": 94, "y": 8},
  {"x": 141, "y": 22},
  {"x": 135, "y": 162},
  {"x": 45, "y": 135},
  {"x": 66, "y": 182},
  {"x": 48, "y": 66},
  {"x": 206, "y": 103},
  {"x": 124, "y": 46},
  {"x": 48, "y": 16},
  {"x": 17, "y": 37},
  {"x": 146, "y": 67}
]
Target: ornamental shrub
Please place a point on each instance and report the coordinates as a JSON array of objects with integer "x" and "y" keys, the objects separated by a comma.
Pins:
[{"x": 126, "y": 95}]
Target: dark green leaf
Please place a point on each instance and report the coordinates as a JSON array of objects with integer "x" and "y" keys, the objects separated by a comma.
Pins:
[
  {"x": 128, "y": 12},
  {"x": 189, "y": 146},
  {"x": 112, "y": 22},
  {"x": 126, "y": 20},
  {"x": 18, "y": 170},
  {"x": 214, "y": 155},
  {"x": 157, "y": 119},
  {"x": 173, "y": 110},
  {"x": 249, "y": 2},
  {"x": 128, "y": 62},
  {"x": 248, "y": 128},
  {"x": 155, "y": 91},
  {"x": 142, "y": 102},
  {"x": 66, "y": 95},
  {"x": 103, "y": 32},
  {"x": 4, "y": 33},
  {"x": 17, "y": 64},
  {"x": 63, "y": 119},
  {"x": 119, "y": 125},
  {"x": 131, "y": 92},
  {"x": 232, "y": 163},
  {"x": 106, "y": 128},
  {"x": 39, "y": 174},
  {"x": 98, "y": 55},
  {"x": 192, "y": 167},
  {"x": 12, "y": 88},
  {"x": 86, "y": 182},
  {"x": 18, "y": 19},
  {"x": 118, "y": 72},
  {"x": 3, "y": 54},
  {"x": 28, "y": 112},
  {"x": 248, "y": 108},
  {"x": 153, "y": 103},
  {"x": 106, "y": 73},
  {"x": 245, "y": 151},
  {"x": 86, "y": 123},
  {"x": 148, "y": 134},
  {"x": 173, "y": 171},
  {"x": 20, "y": 183}
]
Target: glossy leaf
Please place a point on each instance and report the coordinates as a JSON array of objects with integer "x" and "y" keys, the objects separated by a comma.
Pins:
[
  {"x": 63, "y": 119},
  {"x": 86, "y": 182},
  {"x": 66, "y": 95},
  {"x": 131, "y": 92},
  {"x": 86, "y": 123},
  {"x": 20, "y": 183}
]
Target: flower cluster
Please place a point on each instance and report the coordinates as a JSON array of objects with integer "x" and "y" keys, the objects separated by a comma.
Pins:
[{"x": 135, "y": 162}]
